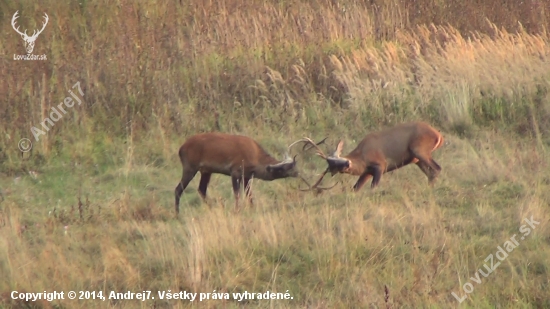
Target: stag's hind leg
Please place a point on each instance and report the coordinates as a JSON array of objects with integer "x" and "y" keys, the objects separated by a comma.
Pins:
[
  {"x": 422, "y": 150},
  {"x": 430, "y": 168},
  {"x": 185, "y": 180}
]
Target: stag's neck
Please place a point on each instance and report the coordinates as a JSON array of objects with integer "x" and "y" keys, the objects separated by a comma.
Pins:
[
  {"x": 358, "y": 165},
  {"x": 266, "y": 160}
]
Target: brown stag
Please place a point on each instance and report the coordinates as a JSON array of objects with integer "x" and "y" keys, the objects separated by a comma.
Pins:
[
  {"x": 237, "y": 156},
  {"x": 385, "y": 151}
]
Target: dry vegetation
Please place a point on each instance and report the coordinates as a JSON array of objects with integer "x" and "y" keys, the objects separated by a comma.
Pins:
[{"x": 91, "y": 208}]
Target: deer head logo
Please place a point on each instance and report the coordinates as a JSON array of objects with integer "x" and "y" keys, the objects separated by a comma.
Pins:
[{"x": 29, "y": 40}]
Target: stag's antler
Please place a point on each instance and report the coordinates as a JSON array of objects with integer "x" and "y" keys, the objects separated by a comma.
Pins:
[
  {"x": 316, "y": 185},
  {"x": 308, "y": 141}
]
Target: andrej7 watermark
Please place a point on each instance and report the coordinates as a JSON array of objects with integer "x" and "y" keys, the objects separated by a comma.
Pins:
[{"x": 25, "y": 144}]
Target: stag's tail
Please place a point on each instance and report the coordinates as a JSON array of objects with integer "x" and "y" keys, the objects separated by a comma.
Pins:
[{"x": 439, "y": 142}]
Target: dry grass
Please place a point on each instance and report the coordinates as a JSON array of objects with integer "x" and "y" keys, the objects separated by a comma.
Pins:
[
  {"x": 92, "y": 207},
  {"x": 276, "y": 62}
]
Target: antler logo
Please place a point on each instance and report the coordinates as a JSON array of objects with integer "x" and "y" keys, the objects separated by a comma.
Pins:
[{"x": 29, "y": 40}]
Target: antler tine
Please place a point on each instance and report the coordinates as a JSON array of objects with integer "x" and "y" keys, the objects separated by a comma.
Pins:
[
  {"x": 307, "y": 141},
  {"x": 307, "y": 183},
  {"x": 314, "y": 187},
  {"x": 318, "y": 150},
  {"x": 303, "y": 140},
  {"x": 319, "y": 143}
]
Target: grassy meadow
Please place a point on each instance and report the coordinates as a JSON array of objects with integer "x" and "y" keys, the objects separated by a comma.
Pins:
[{"x": 91, "y": 207}]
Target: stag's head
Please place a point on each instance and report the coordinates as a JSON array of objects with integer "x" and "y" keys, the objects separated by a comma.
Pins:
[
  {"x": 308, "y": 141},
  {"x": 29, "y": 40},
  {"x": 337, "y": 164},
  {"x": 287, "y": 167},
  {"x": 284, "y": 169}
]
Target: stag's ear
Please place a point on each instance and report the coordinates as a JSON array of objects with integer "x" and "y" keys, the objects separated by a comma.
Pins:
[
  {"x": 284, "y": 167},
  {"x": 292, "y": 164},
  {"x": 287, "y": 157},
  {"x": 339, "y": 148}
]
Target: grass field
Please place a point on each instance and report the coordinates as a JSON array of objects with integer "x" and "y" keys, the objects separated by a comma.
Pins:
[{"x": 91, "y": 207}]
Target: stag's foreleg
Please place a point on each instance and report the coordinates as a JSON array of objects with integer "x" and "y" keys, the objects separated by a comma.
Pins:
[
  {"x": 203, "y": 185},
  {"x": 361, "y": 181},
  {"x": 248, "y": 189},
  {"x": 236, "y": 182},
  {"x": 186, "y": 178},
  {"x": 376, "y": 171}
]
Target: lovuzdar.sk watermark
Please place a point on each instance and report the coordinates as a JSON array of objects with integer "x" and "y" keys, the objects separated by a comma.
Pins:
[
  {"x": 29, "y": 40},
  {"x": 501, "y": 254},
  {"x": 30, "y": 57}
]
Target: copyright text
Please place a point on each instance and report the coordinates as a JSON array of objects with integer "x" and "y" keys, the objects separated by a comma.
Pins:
[{"x": 147, "y": 295}]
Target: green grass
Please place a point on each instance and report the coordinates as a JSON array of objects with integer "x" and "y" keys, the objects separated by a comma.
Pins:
[{"x": 338, "y": 249}]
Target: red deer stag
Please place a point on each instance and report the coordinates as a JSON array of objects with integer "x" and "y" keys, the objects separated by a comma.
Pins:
[
  {"x": 385, "y": 151},
  {"x": 237, "y": 156}
]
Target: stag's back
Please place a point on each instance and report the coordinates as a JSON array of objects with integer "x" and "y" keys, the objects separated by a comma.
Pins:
[
  {"x": 219, "y": 150},
  {"x": 395, "y": 143}
]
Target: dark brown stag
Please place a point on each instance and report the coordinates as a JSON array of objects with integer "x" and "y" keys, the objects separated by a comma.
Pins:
[
  {"x": 385, "y": 151},
  {"x": 237, "y": 156}
]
